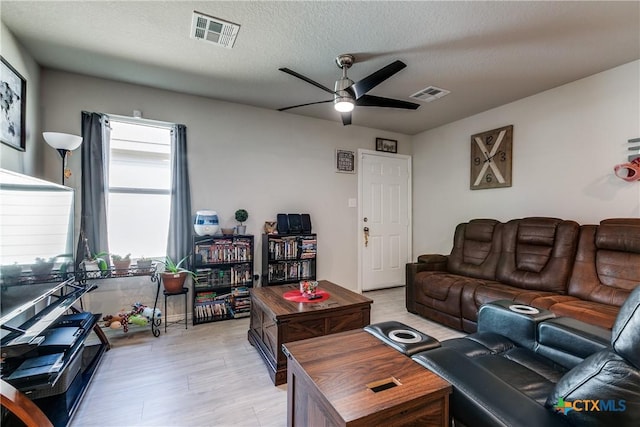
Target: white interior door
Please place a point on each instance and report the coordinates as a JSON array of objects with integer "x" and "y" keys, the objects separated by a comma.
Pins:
[{"x": 385, "y": 212}]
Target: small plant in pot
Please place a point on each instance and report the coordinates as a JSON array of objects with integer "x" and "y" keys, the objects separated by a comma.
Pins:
[
  {"x": 41, "y": 269},
  {"x": 144, "y": 264},
  {"x": 96, "y": 265},
  {"x": 11, "y": 274},
  {"x": 241, "y": 216},
  {"x": 174, "y": 276},
  {"x": 121, "y": 264}
]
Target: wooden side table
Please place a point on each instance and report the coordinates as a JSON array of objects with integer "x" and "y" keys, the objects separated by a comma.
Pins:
[{"x": 353, "y": 379}]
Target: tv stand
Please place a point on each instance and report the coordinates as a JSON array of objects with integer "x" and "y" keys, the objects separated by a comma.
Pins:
[{"x": 51, "y": 396}]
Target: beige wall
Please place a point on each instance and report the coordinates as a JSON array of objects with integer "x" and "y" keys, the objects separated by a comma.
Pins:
[
  {"x": 261, "y": 160},
  {"x": 566, "y": 142},
  {"x": 30, "y": 161}
]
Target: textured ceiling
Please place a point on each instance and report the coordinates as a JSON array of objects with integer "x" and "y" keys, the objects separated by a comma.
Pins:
[{"x": 486, "y": 53}]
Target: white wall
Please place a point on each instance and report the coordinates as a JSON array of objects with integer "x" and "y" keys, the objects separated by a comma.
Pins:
[
  {"x": 566, "y": 142},
  {"x": 29, "y": 161},
  {"x": 261, "y": 160}
]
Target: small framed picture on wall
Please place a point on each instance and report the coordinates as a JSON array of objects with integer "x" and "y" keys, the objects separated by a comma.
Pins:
[
  {"x": 345, "y": 161},
  {"x": 386, "y": 145},
  {"x": 14, "y": 101}
]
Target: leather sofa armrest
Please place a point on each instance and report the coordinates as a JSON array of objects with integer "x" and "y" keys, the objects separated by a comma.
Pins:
[
  {"x": 482, "y": 399},
  {"x": 435, "y": 261},
  {"x": 518, "y": 322},
  {"x": 568, "y": 341},
  {"x": 425, "y": 263}
]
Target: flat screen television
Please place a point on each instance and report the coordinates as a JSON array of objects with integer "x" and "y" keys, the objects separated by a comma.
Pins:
[{"x": 36, "y": 239}]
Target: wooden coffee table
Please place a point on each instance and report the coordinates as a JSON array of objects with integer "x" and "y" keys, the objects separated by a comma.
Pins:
[
  {"x": 354, "y": 379},
  {"x": 275, "y": 320}
]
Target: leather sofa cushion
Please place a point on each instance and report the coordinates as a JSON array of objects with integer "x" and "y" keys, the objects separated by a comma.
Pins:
[
  {"x": 537, "y": 253},
  {"x": 529, "y": 373},
  {"x": 548, "y": 300},
  {"x": 440, "y": 290},
  {"x": 476, "y": 249},
  {"x": 473, "y": 297},
  {"x": 607, "y": 263},
  {"x": 619, "y": 235},
  {"x": 602, "y": 315},
  {"x": 482, "y": 399}
]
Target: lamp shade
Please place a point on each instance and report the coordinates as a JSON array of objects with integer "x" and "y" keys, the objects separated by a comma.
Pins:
[{"x": 62, "y": 141}]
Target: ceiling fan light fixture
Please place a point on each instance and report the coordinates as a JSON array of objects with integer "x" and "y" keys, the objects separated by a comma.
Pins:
[
  {"x": 343, "y": 104},
  {"x": 347, "y": 93}
]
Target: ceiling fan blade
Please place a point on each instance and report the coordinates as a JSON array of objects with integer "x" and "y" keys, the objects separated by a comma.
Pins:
[
  {"x": 304, "y": 105},
  {"x": 365, "y": 85},
  {"x": 307, "y": 79},
  {"x": 378, "y": 101},
  {"x": 346, "y": 118}
]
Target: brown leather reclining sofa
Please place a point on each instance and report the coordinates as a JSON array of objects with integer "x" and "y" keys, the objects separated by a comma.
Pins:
[{"x": 584, "y": 272}]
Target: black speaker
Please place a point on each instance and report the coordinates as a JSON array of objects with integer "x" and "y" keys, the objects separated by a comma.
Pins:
[
  {"x": 306, "y": 223},
  {"x": 283, "y": 224},
  {"x": 295, "y": 224}
]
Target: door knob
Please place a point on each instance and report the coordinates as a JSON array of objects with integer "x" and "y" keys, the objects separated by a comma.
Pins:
[{"x": 366, "y": 236}]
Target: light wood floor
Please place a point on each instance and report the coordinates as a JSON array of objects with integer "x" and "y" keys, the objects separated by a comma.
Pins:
[{"x": 208, "y": 375}]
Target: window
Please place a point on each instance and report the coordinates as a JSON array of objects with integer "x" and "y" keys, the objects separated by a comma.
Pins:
[{"x": 139, "y": 187}]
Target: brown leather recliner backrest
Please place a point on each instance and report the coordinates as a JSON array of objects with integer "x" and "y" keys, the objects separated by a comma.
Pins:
[
  {"x": 538, "y": 253},
  {"x": 607, "y": 266},
  {"x": 476, "y": 249}
]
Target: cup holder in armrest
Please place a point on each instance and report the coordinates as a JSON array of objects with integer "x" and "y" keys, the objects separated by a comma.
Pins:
[
  {"x": 401, "y": 337},
  {"x": 405, "y": 336},
  {"x": 523, "y": 309}
]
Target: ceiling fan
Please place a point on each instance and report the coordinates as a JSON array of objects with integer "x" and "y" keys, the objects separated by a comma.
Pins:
[{"x": 348, "y": 94}]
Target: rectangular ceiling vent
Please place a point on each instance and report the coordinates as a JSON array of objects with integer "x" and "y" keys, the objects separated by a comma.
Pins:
[
  {"x": 430, "y": 93},
  {"x": 213, "y": 30}
]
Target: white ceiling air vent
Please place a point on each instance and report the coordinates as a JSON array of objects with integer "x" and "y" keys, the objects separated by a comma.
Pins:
[
  {"x": 213, "y": 30},
  {"x": 430, "y": 93}
]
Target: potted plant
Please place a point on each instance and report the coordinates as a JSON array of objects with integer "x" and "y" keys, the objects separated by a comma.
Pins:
[
  {"x": 121, "y": 264},
  {"x": 144, "y": 264},
  {"x": 173, "y": 276},
  {"x": 241, "y": 216},
  {"x": 41, "y": 269},
  {"x": 95, "y": 265}
]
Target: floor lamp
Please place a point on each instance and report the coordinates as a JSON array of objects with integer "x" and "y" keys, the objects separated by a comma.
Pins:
[{"x": 64, "y": 143}]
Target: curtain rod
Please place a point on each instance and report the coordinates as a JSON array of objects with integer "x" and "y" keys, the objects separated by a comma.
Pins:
[{"x": 140, "y": 120}]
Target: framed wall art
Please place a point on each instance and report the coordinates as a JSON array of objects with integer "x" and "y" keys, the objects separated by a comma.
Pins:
[
  {"x": 345, "y": 161},
  {"x": 386, "y": 145},
  {"x": 13, "y": 100}
]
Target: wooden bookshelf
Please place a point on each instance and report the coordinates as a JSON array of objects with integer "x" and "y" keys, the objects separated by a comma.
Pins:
[
  {"x": 224, "y": 274},
  {"x": 288, "y": 258}
]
